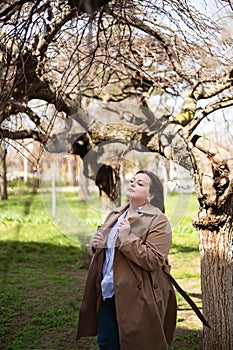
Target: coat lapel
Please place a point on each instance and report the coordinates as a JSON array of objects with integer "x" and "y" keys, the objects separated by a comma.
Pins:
[
  {"x": 146, "y": 210},
  {"x": 135, "y": 217}
]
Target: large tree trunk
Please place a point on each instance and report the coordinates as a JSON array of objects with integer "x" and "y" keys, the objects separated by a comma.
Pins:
[
  {"x": 216, "y": 276},
  {"x": 3, "y": 171},
  {"x": 214, "y": 185}
]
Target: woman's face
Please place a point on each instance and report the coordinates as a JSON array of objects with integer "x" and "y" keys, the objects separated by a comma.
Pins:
[{"x": 138, "y": 190}]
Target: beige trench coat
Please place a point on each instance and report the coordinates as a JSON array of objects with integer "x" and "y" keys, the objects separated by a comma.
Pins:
[{"x": 145, "y": 299}]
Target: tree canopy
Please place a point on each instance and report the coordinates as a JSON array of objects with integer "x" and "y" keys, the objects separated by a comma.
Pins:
[{"x": 64, "y": 52}]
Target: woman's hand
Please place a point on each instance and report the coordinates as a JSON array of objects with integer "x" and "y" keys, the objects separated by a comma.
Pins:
[
  {"x": 97, "y": 241},
  {"x": 123, "y": 229}
]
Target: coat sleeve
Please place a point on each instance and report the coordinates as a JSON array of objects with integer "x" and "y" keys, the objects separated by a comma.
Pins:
[{"x": 151, "y": 251}]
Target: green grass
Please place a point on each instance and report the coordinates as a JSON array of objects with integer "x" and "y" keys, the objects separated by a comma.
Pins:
[{"x": 43, "y": 268}]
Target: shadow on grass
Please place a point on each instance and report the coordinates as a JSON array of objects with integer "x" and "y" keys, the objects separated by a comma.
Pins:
[
  {"x": 183, "y": 249},
  {"x": 41, "y": 288},
  {"x": 186, "y": 339},
  {"x": 196, "y": 295},
  {"x": 44, "y": 254}
]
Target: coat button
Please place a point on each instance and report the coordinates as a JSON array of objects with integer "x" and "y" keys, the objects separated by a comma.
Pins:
[{"x": 155, "y": 286}]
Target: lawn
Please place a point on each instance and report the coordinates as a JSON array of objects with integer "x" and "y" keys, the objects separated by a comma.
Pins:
[{"x": 43, "y": 269}]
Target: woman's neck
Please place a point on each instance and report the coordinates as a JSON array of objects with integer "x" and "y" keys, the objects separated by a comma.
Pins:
[{"x": 133, "y": 207}]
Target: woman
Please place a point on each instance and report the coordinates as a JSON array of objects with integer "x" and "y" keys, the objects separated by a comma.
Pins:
[{"x": 128, "y": 299}]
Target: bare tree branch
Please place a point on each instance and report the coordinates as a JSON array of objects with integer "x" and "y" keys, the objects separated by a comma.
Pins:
[{"x": 23, "y": 134}]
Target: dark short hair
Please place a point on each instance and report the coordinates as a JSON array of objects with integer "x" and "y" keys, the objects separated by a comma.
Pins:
[{"x": 156, "y": 189}]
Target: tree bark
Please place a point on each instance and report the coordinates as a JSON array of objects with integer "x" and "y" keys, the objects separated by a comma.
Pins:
[
  {"x": 83, "y": 193},
  {"x": 3, "y": 171},
  {"x": 216, "y": 276},
  {"x": 73, "y": 165}
]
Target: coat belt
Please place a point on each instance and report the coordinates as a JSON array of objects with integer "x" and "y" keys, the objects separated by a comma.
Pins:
[{"x": 187, "y": 298}]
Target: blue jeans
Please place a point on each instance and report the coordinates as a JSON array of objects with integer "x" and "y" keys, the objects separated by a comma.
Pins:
[{"x": 108, "y": 336}]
